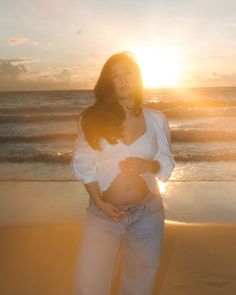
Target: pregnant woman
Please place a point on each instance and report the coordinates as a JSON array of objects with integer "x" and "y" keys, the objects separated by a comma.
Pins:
[{"x": 122, "y": 149}]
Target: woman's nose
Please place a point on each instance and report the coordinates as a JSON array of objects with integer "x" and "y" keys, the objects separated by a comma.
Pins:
[{"x": 124, "y": 82}]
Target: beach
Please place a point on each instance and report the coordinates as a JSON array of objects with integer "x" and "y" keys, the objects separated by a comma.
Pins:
[
  {"x": 175, "y": 60},
  {"x": 41, "y": 223}
]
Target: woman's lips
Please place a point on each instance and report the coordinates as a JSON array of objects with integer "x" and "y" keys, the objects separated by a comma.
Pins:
[{"x": 124, "y": 88}]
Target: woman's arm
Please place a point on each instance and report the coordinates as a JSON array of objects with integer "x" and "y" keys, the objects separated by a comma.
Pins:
[
  {"x": 154, "y": 166},
  {"x": 163, "y": 162},
  {"x": 94, "y": 191},
  {"x": 83, "y": 166}
]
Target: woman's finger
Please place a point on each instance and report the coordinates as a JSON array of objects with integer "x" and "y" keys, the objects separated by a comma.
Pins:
[
  {"x": 121, "y": 213},
  {"x": 118, "y": 211}
]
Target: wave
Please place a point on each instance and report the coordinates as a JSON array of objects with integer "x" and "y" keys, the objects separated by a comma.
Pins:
[
  {"x": 216, "y": 156},
  {"x": 40, "y": 109},
  {"x": 196, "y": 135},
  {"x": 65, "y": 115},
  {"x": 179, "y": 113},
  {"x": 71, "y": 113},
  {"x": 182, "y": 135},
  {"x": 21, "y": 118},
  {"x": 38, "y": 138},
  {"x": 65, "y": 157}
]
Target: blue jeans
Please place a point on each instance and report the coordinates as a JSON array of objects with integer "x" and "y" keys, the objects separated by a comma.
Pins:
[{"x": 139, "y": 235}]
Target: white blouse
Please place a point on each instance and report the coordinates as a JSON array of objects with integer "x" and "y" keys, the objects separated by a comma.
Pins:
[{"x": 89, "y": 165}]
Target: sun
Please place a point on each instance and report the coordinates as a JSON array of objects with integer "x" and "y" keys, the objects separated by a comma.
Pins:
[{"x": 161, "y": 65}]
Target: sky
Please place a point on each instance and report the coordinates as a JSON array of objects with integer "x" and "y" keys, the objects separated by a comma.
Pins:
[{"x": 61, "y": 44}]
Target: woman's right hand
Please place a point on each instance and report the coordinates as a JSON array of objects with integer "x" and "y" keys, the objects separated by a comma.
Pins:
[{"x": 112, "y": 211}]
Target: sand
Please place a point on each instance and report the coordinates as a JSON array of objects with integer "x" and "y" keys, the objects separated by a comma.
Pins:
[
  {"x": 40, "y": 260},
  {"x": 40, "y": 235},
  {"x": 38, "y": 202}
]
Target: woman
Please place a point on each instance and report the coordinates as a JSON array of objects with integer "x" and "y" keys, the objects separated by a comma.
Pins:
[{"x": 121, "y": 150}]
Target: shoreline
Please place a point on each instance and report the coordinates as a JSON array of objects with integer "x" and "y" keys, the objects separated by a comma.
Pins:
[{"x": 40, "y": 202}]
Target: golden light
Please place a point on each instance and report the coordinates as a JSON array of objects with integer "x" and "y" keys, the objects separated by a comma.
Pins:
[
  {"x": 161, "y": 65},
  {"x": 162, "y": 186}
]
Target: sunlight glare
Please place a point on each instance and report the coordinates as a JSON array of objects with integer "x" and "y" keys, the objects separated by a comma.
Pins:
[
  {"x": 162, "y": 186},
  {"x": 161, "y": 66}
]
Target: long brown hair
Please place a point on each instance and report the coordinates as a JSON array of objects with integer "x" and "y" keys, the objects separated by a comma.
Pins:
[{"x": 104, "y": 118}]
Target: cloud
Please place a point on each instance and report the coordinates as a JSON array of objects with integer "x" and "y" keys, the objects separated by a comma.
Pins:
[
  {"x": 18, "y": 41},
  {"x": 23, "y": 74},
  {"x": 56, "y": 76},
  {"x": 230, "y": 77},
  {"x": 17, "y": 74},
  {"x": 211, "y": 79},
  {"x": 21, "y": 40},
  {"x": 221, "y": 79},
  {"x": 19, "y": 61},
  {"x": 10, "y": 71},
  {"x": 34, "y": 43}
]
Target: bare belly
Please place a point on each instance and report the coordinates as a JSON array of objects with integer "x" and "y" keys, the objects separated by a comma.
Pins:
[{"x": 126, "y": 189}]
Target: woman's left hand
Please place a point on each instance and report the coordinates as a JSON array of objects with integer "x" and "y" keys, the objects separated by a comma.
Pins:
[{"x": 135, "y": 165}]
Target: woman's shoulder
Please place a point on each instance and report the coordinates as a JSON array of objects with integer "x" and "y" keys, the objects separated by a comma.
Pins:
[{"x": 155, "y": 114}]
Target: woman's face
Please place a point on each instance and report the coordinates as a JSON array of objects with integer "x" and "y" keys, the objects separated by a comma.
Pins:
[{"x": 124, "y": 78}]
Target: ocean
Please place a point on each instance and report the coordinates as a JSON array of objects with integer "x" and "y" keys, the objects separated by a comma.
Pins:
[{"x": 38, "y": 130}]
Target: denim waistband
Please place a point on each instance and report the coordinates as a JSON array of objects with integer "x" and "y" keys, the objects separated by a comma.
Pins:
[
  {"x": 127, "y": 206},
  {"x": 137, "y": 204}
]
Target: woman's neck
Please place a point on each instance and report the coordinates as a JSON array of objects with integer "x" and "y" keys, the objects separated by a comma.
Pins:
[{"x": 128, "y": 105}]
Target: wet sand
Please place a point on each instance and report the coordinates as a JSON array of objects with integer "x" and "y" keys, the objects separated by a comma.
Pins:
[
  {"x": 40, "y": 231},
  {"x": 39, "y": 202}
]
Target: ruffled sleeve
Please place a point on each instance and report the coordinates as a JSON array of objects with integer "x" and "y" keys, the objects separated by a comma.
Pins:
[
  {"x": 164, "y": 154},
  {"x": 82, "y": 165}
]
